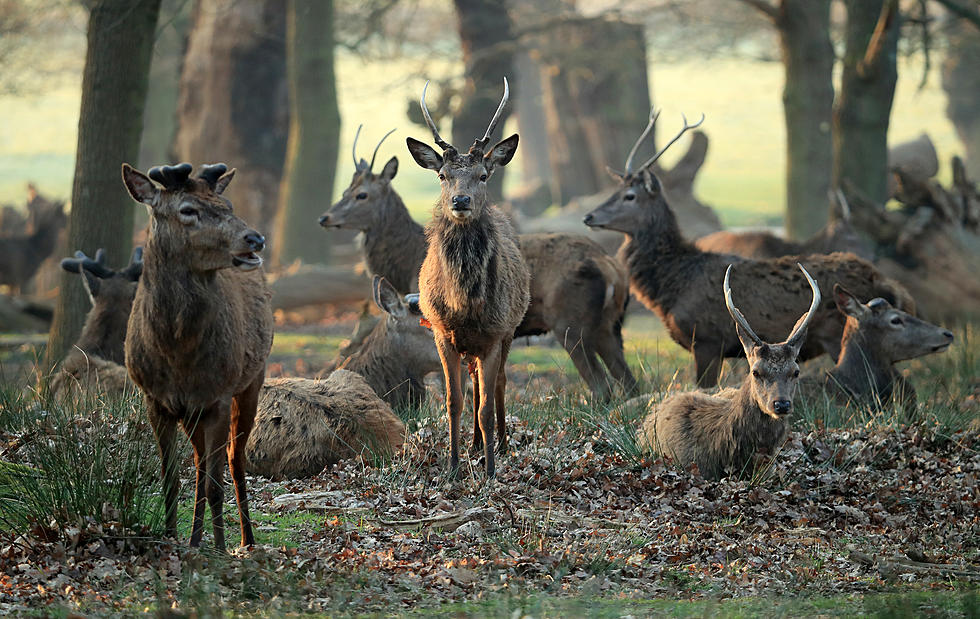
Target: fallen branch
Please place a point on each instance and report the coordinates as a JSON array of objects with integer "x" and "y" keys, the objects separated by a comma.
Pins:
[
  {"x": 889, "y": 567},
  {"x": 448, "y": 521}
]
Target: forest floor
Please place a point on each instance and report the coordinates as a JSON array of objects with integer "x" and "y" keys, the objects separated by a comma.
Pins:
[{"x": 860, "y": 513}]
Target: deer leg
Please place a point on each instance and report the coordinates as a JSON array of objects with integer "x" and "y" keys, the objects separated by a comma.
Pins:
[
  {"x": 499, "y": 391},
  {"x": 454, "y": 396},
  {"x": 195, "y": 431},
  {"x": 488, "y": 367},
  {"x": 477, "y": 436},
  {"x": 243, "y": 410},
  {"x": 610, "y": 349},
  {"x": 707, "y": 365},
  {"x": 216, "y": 435},
  {"x": 583, "y": 356},
  {"x": 165, "y": 429}
]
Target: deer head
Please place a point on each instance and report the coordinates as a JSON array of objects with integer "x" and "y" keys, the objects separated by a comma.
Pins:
[
  {"x": 118, "y": 287},
  {"x": 640, "y": 196},
  {"x": 413, "y": 341},
  {"x": 773, "y": 371},
  {"x": 358, "y": 208},
  {"x": 190, "y": 222},
  {"x": 464, "y": 176},
  {"x": 889, "y": 333}
]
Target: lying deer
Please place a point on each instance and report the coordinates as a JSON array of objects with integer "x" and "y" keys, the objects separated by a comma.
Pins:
[
  {"x": 474, "y": 284},
  {"x": 721, "y": 433},
  {"x": 199, "y": 333},
  {"x": 578, "y": 292},
  {"x": 97, "y": 357},
  {"x": 876, "y": 337},
  {"x": 675, "y": 279}
]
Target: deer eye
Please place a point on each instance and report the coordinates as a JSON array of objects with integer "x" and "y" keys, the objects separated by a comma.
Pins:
[
  {"x": 188, "y": 211},
  {"x": 630, "y": 196},
  {"x": 483, "y": 178},
  {"x": 896, "y": 320},
  {"x": 442, "y": 176},
  {"x": 796, "y": 374},
  {"x": 361, "y": 196},
  {"x": 757, "y": 373}
]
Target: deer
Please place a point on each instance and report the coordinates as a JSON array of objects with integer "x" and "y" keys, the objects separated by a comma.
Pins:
[
  {"x": 199, "y": 333},
  {"x": 99, "y": 351},
  {"x": 674, "y": 279},
  {"x": 22, "y": 254},
  {"x": 578, "y": 291},
  {"x": 474, "y": 285},
  {"x": 398, "y": 353},
  {"x": 721, "y": 433},
  {"x": 876, "y": 337}
]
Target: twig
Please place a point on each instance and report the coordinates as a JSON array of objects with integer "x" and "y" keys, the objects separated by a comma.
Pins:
[
  {"x": 962, "y": 10},
  {"x": 444, "y": 521}
]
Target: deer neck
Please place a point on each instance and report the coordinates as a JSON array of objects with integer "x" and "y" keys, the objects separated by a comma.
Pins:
[
  {"x": 179, "y": 301},
  {"x": 467, "y": 252},
  {"x": 384, "y": 368},
  {"x": 396, "y": 236},
  {"x": 104, "y": 333},
  {"x": 656, "y": 255},
  {"x": 860, "y": 369}
]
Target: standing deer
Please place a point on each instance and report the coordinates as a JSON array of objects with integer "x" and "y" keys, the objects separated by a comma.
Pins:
[
  {"x": 21, "y": 254},
  {"x": 677, "y": 281},
  {"x": 578, "y": 291},
  {"x": 474, "y": 283},
  {"x": 199, "y": 333},
  {"x": 722, "y": 432}
]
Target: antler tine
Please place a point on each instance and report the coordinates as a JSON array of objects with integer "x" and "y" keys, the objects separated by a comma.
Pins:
[
  {"x": 684, "y": 130},
  {"x": 482, "y": 142},
  {"x": 654, "y": 114},
  {"x": 353, "y": 150},
  {"x": 845, "y": 206},
  {"x": 371, "y": 167},
  {"x": 135, "y": 267},
  {"x": 81, "y": 261},
  {"x": 441, "y": 143},
  {"x": 799, "y": 331},
  {"x": 736, "y": 314}
]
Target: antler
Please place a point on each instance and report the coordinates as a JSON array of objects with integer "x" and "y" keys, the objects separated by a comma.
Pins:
[
  {"x": 482, "y": 142},
  {"x": 135, "y": 267},
  {"x": 441, "y": 143},
  {"x": 654, "y": 114},
  {"x": 371, "y": 166},
  {"x": 736, "y": 314},
  {"x": 684, "y": 130},
  {"x": 81, "y": 261},
  {"x": 353, "y": 150},
  {"x": 211, "y": 173},
  {"x": 171, "y": 176},
  {"x": 799, "y": 331}
]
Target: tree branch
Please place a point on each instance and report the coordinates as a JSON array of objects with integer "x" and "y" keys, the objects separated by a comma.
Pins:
[
  {"x": 961, "y": 9},
  {"x": 888, "y": 17},
  {"x": 764, "y": 7}
]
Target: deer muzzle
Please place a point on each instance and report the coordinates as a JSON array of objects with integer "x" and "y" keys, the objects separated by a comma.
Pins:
[{"x": 248, "y": 260}]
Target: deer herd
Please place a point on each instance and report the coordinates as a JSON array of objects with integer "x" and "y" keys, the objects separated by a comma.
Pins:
[{"x": 191, "y": 318}]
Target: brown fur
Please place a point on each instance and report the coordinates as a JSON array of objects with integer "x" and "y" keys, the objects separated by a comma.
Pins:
[
  {"x": 876, "y": 336},
  {"x": 838, "y": 235},
  {"x": 21, "y": 254},
  {"x": 198, "y": 337},
  {"x": 304, "y": 425},
  {"x": 578, "y": 292},
  {"x": 677, "y": 281}
]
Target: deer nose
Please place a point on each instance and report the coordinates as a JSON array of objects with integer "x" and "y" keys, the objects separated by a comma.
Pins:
[
  {"x": 948, "y": 335},
  {"x": 782, "y": 407},
  {"x": 588, "y": 220},
  {"x": 256, "y": 241},
  {"x": 324, "y": 219},
  {"x": 461, "y": 202}
]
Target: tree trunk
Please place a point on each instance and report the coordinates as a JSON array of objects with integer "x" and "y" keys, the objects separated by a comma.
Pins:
[
  {"x": 961, "y": 81},
  {"x": 233, "y": 102},
  {"x": 864, "y": 102},
  {"x": 532, "y": 123},
  {"x": 488, "y": 56},
  {"x": 114, "y": 85},
  {"x": 808, "y": 99},
  {"x": 314, "y": 133}
]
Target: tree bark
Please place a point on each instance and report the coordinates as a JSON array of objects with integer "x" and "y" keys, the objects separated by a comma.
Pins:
[
  {"x": 114, "y": 86},
  {"x": 864, "y": 101},
  {"x": 808, "y": 100},
  {"x": 233, "y": 103},
  {"x": 488, "y": 55},
  {"x": 961, "y": 81},
  {"x": 314, "y": 132}
]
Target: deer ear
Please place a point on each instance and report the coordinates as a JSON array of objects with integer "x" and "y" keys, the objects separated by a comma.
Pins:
[
  {"x": 222, "y": 183},
  {"x": 616, "y": 176},
  {"x": 650, "y": 182},
  {"x": 390, "y": 169},
  {"x": 388, "y": 299},
  {"x": 139, "y": 185},
  {"x": 502, "y": 153},
  {"x": 847, "y": 303},
  {"x": 424, "y": 155},
  {"x": 748, "y": 342}
]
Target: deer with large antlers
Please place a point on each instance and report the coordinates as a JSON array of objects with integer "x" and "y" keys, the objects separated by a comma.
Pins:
[
  {"x": 474, "y": 283},
  {"x": 677, "y": 281},
  {"x": 199, "y": 333},
  {"x": 722, "y": 432}
]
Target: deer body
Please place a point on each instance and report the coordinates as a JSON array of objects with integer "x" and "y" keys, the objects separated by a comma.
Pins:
[
  {"x": 675, "y": 279},
  {"x": 721, "y": 433},
  {"x": 22, "y": 254},
  {"x": 199, "y": 333}
]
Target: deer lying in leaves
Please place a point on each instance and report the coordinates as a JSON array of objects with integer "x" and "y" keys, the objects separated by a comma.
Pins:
[{"x": 721, "y": 433}]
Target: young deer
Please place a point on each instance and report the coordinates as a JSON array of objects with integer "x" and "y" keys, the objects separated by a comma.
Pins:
[
  {"x": 676, "y": 280},
  {"x": 578, "y": 291},
  {"x": 474, "y": 283},
  {"x": 876, "y": 336},
  {"x": 722, "y": 432},
  {"x": 199, "y": 333}
]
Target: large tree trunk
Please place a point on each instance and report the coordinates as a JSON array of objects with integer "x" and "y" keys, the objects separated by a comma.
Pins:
[
  {"x": 114, "y": 85},
  {"x": 961, "y": 81},
  {"x": 864, "y": 102},
  {"x": 233, "y": 103},
  {"x": 808, "y": 100},
  {"x": 488, "y": 56},
  {"x": 314, "y": 133}
]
